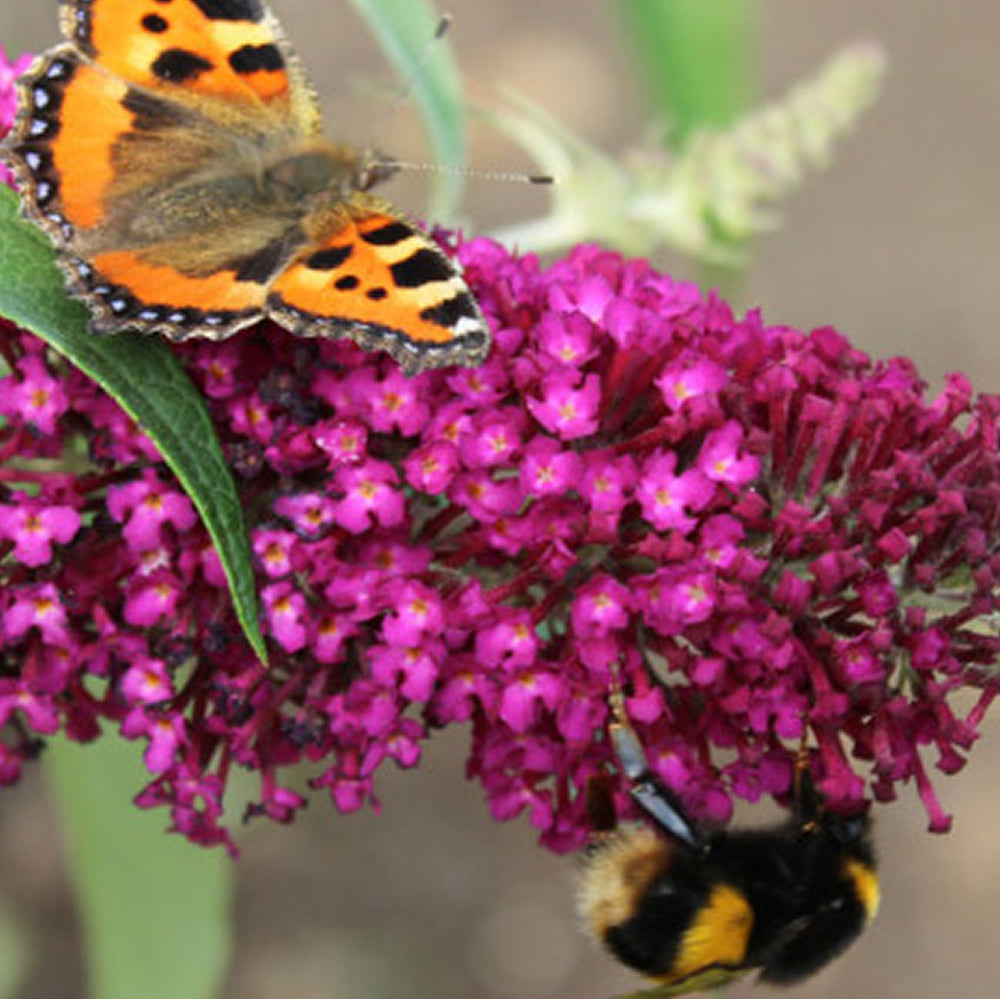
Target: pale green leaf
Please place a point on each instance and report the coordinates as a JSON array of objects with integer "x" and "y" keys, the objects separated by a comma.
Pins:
[{"x": 155, "y": 909}]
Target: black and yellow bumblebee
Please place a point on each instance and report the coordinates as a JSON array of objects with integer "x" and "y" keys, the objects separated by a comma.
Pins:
[{"x": 690, "y": 908}]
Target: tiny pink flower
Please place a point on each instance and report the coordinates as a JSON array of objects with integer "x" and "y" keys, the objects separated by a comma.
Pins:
[
  {"x": 310, "y": 514},
  {"x": 668, "y": 500},
  {"x": 389, "y": 403},
  {"x": 152, "y": 598},
  {"x": 688, "y": 380},
  {"x": 525, "y": 696},
  {"x": 37, "y": 711},
  {"x": 33, "y": 527},
  {"x": 343, "y": 441},
  {"x": 565, "y": 408},
  {"x": 370, "y": 496},
  {"x": 40, "y": 607},
  {"x": 495, "y": 442},
  {"x": 146, "y": 508},
  {"x": 602, "y": 605},
  {"x": 567, "y": 339},
  {"x": 165, "y": 735},
  {"x": 721, "y": 461},
  {"x": 417, "y": 613},
  {"x": 275, "y": 551},
  {"x": 286, "y": 614},
  {"x": 608, "y": 482},
  {"x": 548, "y": 468},
  {"x": 147, "y": 682},
  {"x": 32, "y": 394},
  {"x": 432, "y": 468},
  {"x": 511, "y": 643}
]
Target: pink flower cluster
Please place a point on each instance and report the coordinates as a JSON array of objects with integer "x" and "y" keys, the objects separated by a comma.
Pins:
[{"x": 764, "y": 536}]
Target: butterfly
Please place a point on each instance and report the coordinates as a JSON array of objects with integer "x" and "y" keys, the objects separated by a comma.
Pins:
[{"x": 172, "y": 151}]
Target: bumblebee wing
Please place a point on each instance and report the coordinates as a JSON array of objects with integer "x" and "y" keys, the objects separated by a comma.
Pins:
[{"x": 649, "y": 791}]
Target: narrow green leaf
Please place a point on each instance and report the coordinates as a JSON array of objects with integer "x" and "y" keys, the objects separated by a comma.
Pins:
[
  {"x": 147, "y": 381},
  {"x": 15, "y": 952},
  {"x": 155, "y": 910},
  {"x": 404, "y": 29},
  {"x": 697, "y": 58}
]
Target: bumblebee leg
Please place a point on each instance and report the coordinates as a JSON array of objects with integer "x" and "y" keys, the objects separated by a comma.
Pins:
[
  {"x": 805, "y": 799},
  {"x": 601, "y": 813}
]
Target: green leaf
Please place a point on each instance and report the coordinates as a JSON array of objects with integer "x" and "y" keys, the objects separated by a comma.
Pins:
[
  {"x": 404, "y": 29},
  {"x": 147, "y": 381},
  {"x": 697, "y": 57},
  {"x": 15, "y": 952},
  {"x": 155, "y": 910}
]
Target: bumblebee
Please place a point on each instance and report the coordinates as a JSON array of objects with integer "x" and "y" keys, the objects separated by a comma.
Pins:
[{"x": 690, "y": 908}]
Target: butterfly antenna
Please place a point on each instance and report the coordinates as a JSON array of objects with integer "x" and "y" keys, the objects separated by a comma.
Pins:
[
  {"x": 512, "y": 176},
  {"x": 381, "y": 167},
  {"x": 417, "y": 71}
]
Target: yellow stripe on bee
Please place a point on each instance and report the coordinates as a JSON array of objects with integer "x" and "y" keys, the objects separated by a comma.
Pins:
[
  {"x": 719, "y": 934},
  {"x": 865, "y": 885}
]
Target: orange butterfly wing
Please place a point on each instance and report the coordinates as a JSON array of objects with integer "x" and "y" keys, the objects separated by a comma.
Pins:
[
  {"x": 387, "y": 285},
  {"x": 232, "y": 50},
  {"x": 170, "y": 150},
  {"x": 143, "y": 93}
]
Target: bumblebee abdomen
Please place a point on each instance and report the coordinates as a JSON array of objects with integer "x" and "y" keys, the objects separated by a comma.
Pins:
[
  {"x": 654, "y": 908},
  {"x": 829, "y": 923}
]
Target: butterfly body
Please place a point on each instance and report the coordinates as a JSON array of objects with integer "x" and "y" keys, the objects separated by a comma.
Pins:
[{"x": 172, "y": 150}]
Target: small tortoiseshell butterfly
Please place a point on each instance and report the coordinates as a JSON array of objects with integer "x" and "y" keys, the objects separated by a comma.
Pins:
[{"x": 172, "y": 150}]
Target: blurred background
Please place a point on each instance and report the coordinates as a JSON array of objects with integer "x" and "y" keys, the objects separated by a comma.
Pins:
[{"x": 892, "y": 246}]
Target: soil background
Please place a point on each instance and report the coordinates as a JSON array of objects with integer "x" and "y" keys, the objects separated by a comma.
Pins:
[{"x": 892, "y": 246}]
